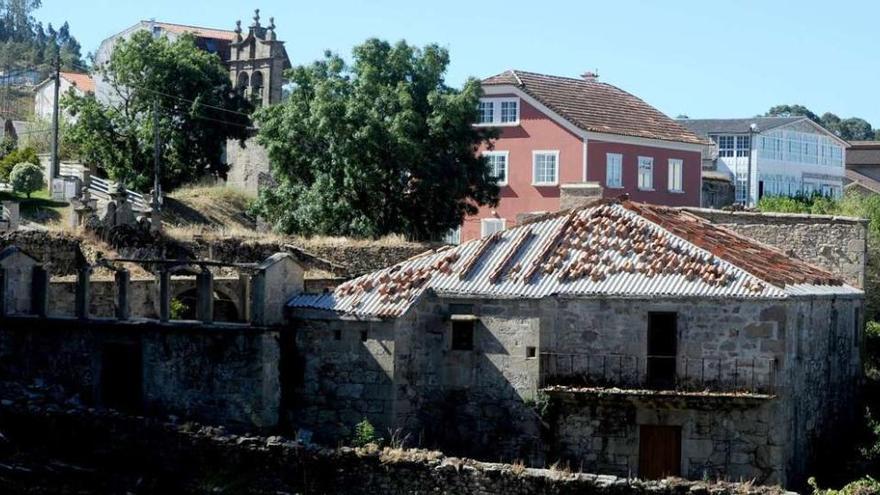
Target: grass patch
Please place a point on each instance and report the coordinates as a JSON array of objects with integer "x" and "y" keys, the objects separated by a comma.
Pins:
[{"x": 39, "y": 208}]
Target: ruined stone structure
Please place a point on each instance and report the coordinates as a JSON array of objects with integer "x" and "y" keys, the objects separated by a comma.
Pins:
[{"x": 624, "y": 339}]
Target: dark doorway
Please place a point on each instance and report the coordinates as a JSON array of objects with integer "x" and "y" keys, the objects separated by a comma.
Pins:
[
  {"x": 760, "y": 189},
  {"x": 122, "y": 376},
  {"x": 659, "y": 451},
  {"x": 662, "y": 349}
]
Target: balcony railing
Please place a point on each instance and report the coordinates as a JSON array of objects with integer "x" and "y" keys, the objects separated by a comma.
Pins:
[{"x": 705, "y": 374}]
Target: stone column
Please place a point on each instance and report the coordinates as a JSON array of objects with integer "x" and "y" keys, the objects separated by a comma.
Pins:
[
  {"x": 123, "y": 307},
  {"x": 83, "y": 277},
  {"x": 164, "y": 279},
  {"x": 244, "y": 296},
  {"x": 13, "y": 212},
  {"x": 40, "y": 291},
  {"x": 205, "y": 290}
]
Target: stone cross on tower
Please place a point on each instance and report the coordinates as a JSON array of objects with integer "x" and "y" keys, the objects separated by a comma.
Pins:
[{"x": 257, "y": 62}]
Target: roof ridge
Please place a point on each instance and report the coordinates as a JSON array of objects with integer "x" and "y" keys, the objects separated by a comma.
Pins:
[{"x": 153, "y": 21}]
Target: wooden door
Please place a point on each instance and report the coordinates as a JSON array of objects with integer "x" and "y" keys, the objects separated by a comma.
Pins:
[{"x": 659, "y": 451}]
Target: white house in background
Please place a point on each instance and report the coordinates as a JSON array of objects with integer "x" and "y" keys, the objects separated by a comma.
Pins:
[
  {"x": 44, "y": 93},
  {"x": 775, "y": 156}
]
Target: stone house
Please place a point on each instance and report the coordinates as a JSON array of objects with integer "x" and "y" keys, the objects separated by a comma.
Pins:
[{"x": 617, "y": 337}]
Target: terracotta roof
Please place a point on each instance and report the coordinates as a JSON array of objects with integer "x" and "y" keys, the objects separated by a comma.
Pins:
[
  {"x": 81, "y": 81},
  {"x": 201, "y": 32},
  {"x": 609, "y": 249},
  {"x": 597, "y": 106}
]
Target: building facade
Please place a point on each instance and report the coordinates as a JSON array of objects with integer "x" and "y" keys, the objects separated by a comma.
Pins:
[
  {"x": 44, "y": 93},
  {"x": 557, "y": 131},
  {"x": 774, "y": 156},
  {"x": 617, "y": 338}
]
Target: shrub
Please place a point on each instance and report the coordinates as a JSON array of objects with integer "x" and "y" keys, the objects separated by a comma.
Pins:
[
  {"x": 27, "y": 155},
  {"x": 863, "y": 486},
  {"x": 177, "y": 308},
  {"x": 365, "y": 433},
  {"x": 26, "y": 178}
]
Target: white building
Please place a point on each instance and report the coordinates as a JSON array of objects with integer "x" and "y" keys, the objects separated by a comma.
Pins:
[
  {"x": 775, "y": 156},
  {"x": 44, "y": 93}
]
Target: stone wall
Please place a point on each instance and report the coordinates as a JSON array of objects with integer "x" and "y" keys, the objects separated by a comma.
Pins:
[
  {"x": 227, "y": 375},
  {"x": 61, "y": 252},
  {"x": 248, "y": 166},
  {"x": 151, "y": 455},
  {"x": 837, "y": 244}
]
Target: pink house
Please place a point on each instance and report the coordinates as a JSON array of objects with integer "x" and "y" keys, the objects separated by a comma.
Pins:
[{"x": 558, "y": 130}]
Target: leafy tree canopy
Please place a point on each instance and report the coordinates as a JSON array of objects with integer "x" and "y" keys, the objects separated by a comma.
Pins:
[
  {"x": 26, "y": 178},
  {"x": 376, "y": 147},
  {"x": 851, "y": 129},
  {"x": 198, "y": 111}
]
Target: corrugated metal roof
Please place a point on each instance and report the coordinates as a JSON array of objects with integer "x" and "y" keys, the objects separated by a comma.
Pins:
[{"x": 607, "y": 250}]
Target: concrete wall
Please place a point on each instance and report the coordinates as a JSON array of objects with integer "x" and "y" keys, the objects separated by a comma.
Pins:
[
  {"x": 223, "y": 375},
  {"x": 249, "y": 168},
  {"x": 837, "y": 244}
]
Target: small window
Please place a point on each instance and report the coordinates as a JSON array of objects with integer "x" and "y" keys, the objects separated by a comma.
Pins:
[
  {"x": 486, "y": 111},
  {"x": 489, "y": 226},
  {"x": 509, "y": 111},
  {"x": 545, "y": 168},
  {"x": 531, "y": 352},
  {"x": 497, "y": 161},
  {"x": 337, "y": 334},
  {"x": 646, "y": 173},
  {"x": 675, "y": 174},
  {"x": 725, "y": 145},
  {"x": 453, "y": 236},
  {"x": 614, "y": 170},
  {"x": 463, "y": 335},
  {"x": 364, "y": 335}
]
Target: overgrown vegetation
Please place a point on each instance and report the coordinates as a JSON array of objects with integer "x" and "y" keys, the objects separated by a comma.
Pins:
[
  {"x": 863, "y": 486},
  {"x": 13, "y": 158}
]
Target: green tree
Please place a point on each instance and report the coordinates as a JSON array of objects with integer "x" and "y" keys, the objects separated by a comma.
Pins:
[
  {"x": 792, "y": 111},
  {"x": 26, "y": 178},
  {"x": 376, "y": 147},
  {"x": 199, "y": 110}
]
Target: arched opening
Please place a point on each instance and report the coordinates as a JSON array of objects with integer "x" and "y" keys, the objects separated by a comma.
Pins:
[
  {"x": 188, "y": 300},
  {"x": 242, "y": 83},
  {"x": 257, "y": 88}
]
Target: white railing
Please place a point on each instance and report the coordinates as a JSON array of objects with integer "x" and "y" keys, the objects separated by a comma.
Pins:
[
  {"x": 103, "y": 188},
  {"x": 71, "y": 170}
]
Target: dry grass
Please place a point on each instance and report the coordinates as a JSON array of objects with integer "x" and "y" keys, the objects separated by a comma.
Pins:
[
  {"x": 518, "y": 467},
  {"x": 560, "y": 470}
]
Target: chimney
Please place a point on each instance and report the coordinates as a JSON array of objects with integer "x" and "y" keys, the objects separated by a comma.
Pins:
[
  {"x": 590, "y": 76},
  {"x": 578, "y": 194}
]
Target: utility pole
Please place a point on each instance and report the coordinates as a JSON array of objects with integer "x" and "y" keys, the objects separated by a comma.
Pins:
[
  {"x": 55, "y": 118},
  {"x": 157, "y": 154}
]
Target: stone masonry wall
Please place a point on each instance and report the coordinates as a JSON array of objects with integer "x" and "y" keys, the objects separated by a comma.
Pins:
[
  {"x": 344, "y": 375},
  {"x": 226, "y": 375},
  {"x": 837, "y": 244},
  {"x": 148, "y": 455}
]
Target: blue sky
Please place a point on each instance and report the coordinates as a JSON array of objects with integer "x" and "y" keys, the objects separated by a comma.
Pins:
[{"x": 717, "y": 58}]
